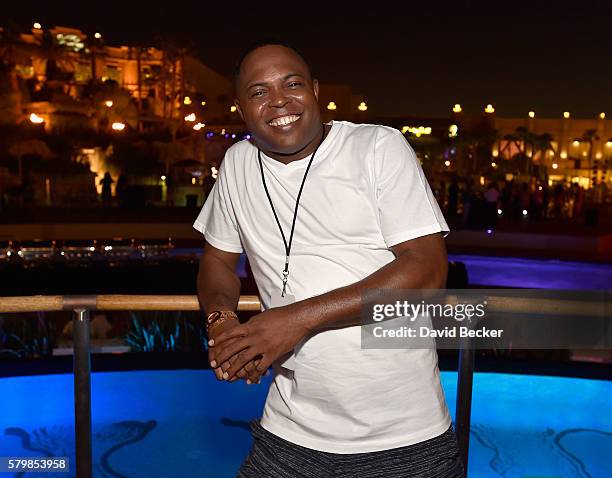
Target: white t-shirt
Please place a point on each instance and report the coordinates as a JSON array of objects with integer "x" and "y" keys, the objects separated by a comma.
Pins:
[{"x": 364, "y": 193}]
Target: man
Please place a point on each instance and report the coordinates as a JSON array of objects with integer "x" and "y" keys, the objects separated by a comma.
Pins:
[{"x": 324, "y": 213}]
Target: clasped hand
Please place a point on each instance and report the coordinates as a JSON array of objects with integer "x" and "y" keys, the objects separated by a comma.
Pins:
[{"x": 246, "y": 351}]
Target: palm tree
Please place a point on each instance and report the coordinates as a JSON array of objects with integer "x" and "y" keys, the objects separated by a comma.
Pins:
[
  {"x": 525, "y": 142},
  {"x": 543, "y": 143},
  {"x": 94, "y": 46},
  {"x": 474, "y": 149},
  {"x": 588, "y": 137},
  {"x": 59, "y": 63}
]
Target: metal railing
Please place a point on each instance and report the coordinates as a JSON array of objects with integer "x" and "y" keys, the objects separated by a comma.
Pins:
[{"x": 81, "y": 307}]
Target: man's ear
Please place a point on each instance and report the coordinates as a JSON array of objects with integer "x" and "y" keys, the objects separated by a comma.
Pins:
[
  {"x": 315, "y": 87},
  {"x": 238, "y": 108}
]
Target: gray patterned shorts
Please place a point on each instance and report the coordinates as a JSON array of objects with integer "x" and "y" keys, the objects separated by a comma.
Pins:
[{"x": 274, "y": 457}]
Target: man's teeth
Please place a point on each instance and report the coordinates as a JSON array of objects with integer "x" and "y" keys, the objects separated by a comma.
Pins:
[{"x": 284, "y": 120}]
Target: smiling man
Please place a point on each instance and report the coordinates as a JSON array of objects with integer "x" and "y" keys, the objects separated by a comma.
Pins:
[{"x": 325, "y": 213}]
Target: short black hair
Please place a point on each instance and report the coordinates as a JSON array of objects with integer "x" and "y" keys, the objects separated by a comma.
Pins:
[{"x": 261, "y": 43}]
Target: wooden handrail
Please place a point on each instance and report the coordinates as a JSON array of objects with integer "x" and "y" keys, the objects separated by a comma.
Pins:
[
  {"x": 38, "y": 303},
  {"x": 251, "y": 303}
]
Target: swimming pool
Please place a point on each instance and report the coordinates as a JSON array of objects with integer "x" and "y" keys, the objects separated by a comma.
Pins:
[
  {"x": 184, "y": 423},
  {"x": 524, "y": 273},
  {"x": 534, "y": 273}
]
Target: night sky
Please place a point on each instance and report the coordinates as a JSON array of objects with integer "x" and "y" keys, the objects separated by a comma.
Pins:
[{"x": 412, "y": 59}]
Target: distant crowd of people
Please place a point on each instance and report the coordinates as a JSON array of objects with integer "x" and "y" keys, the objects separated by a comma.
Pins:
[{"x": 482, "y": 205}]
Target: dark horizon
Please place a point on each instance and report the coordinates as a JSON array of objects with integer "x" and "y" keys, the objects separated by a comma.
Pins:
[{"x": 414, "y": 62}]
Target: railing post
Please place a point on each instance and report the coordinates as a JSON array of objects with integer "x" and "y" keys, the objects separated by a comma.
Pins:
[
  {"x": 463, "y": 406},
  {"x": 82, "y": 393}
]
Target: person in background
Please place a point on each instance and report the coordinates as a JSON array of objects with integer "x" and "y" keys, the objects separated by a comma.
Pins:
[
  {"x": 491, "y": 197},
  {"x": 121, "y": 189},
  {"x": 106, "y": 183}
]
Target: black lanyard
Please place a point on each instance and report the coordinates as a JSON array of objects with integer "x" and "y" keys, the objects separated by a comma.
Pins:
[{"x": 297, "y": 203}]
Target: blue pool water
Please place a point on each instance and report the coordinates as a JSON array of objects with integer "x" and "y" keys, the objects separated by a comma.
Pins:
[
  {"x": 534, "y": 273},
  {"x": 512, "y": 271},
  {"x": 184, "y": 423}
]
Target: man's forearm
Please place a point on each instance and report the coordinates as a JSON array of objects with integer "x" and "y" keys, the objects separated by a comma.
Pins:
[
  {"x": 218, "y": 286},
  {"x": 342, "y": 307}
]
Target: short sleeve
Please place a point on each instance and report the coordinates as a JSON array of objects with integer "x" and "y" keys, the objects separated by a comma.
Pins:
[
  {"x": 406, "y": 205},
  {"x": 217, "y": 219}
]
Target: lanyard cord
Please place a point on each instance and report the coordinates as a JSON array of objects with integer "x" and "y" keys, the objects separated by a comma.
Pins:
[{"x": 297, "y": 203}]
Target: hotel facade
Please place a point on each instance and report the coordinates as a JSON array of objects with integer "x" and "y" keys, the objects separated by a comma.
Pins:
[{"x": 580, "y": 148}]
